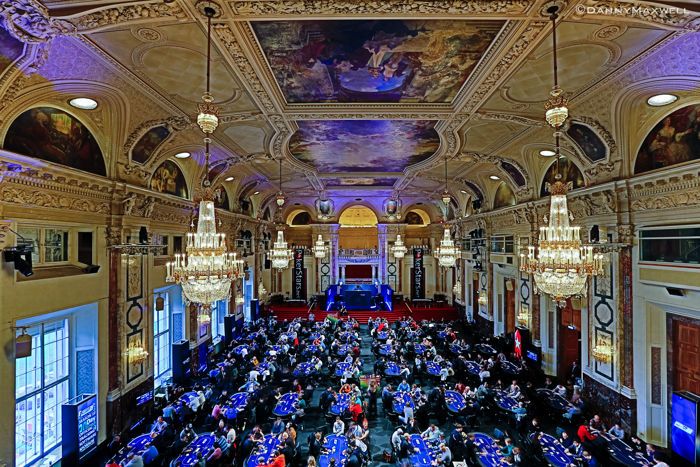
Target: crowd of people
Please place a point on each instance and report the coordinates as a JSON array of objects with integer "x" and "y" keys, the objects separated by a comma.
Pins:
[{"x": 446, "y": 394}]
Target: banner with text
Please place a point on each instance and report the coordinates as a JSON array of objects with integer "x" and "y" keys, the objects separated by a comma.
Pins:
[
  {"x": 418, "y": 279},
  {"x": 298, "y": 276}
]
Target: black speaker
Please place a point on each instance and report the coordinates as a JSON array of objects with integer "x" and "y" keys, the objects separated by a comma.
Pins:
[
  {"x": 143, "y": 235},
  {"x": 91, "y": 268},
  {"x": 21, "y": 256},
  {"x": 181, "y": 361},
  {"x": 229, "y": 328}
]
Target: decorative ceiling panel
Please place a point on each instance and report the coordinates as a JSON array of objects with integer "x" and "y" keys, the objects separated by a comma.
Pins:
[
  {"x": 373, "y": 61},
  {"x": 363, "y": 145}
]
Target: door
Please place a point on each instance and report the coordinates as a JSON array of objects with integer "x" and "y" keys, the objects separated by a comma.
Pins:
[
  {"x": 509, "y": 287},
  {"x": 686, "y": 357},
  {"x": 569, "y": 339}
]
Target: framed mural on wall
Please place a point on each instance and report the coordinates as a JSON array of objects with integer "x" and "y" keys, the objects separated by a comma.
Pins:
[
  {"x": 569, "y": 173},
  {"x": 56, "y": 136},
  {"x": 168, "y": 178},
  {"x": 588, "y": 141},
  {"x": 674, "y": 140},
  {"x": 504, "y": 196},
  {"x": 149, "y": 143},
  {"x": 221, "y": 198}
]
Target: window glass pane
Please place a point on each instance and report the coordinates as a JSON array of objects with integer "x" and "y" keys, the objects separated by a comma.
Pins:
[
  {"x": 27, "y": 430},
  {"x": 30, "y": 238},
  {"x": 665, "y": 233},
  {"x": 55, "y": 245}
]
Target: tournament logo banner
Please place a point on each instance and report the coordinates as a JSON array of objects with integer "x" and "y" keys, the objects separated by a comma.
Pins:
[
  {"x": 298, "y": 282},
  {"x": 418, "y": 282}
]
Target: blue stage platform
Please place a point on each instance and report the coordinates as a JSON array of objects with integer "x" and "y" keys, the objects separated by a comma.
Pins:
[{"x": 359, "y": 297}]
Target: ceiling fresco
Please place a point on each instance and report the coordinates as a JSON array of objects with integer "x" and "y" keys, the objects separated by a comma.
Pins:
[
  {"x": 360, "y": 181},
  {"x": 373, "y": 61},
  {"x": 363, "y": 145}
]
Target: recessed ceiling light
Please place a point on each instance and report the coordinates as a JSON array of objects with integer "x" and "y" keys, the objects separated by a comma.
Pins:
[
  {"x": 547, "y": 153},
  {"x": 84, "y": 103},
  {"x": 494, "y": 177},
  {"x": 182, "y": 155},
  {"x": 358, "y": 199},
  {"x": 661, "y": 99},
  {"x": 230, "y": 179},
  {"x": 256, "y": 193},
  {"x": 297, "y": 204},
  {"x": 464, "y": 192}
]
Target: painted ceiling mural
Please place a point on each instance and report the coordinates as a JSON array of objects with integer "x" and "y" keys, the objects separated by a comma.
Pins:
[
  {"x": 373, "y": 61},
  {"x": 168, "y": 178},
  {"x": 364, "y": 145},
  {"x": 569, "y": 173},
  {"x": 360, "y": 181},
  {"x": 10, "y": 49},
  {"x": 674, "y": 140},
  {"x": 149, "y": 143},
  {"x": 588, "y": 141}
]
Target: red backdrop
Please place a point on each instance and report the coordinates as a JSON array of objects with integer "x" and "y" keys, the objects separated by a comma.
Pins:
[{"x": 358, "y": 271}]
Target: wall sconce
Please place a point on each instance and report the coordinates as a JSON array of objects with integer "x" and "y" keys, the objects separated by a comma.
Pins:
[
  {"x": 136, "y": 354},
  {"x": 239, "y": 299},
  {"x": 457, "y": 289},
  {"x": 524, "y": 315},
  {"x": 203, "y": 317},
  {"x": 483, "y": 299}
]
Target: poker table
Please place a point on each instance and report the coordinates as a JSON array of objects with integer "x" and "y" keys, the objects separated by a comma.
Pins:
[
  {"x": 488, "y": 453},
  {"x": 510, "y": 368},
  {"x": 392, "y": 369},
  {"x": 383, "y": 335},
  {"x": 472, "y": 367},
  {"x": 312, "y": 349},
  {"x": 442, "y": 334},
  {"x": 262, "y": 367},
  {"x": 433, "y": 368},
  {"x": 214, "y": 373},
  {"x": 385, "y": 349},
  {"x": 274, "y": 348},
  {"x": 239, "y": 349},
  {"x": 263, "y": 450},
  {"x": 202, "y": 444},
  {"x": 485, "y": 349},
  {"x": 455, "y": 401},
  {"x": 423, "y": 454},
  {"x": 457, "y": 349},
  {"x": 236, "y": 403},
  {"x": 341, "y": 404},
  {"x": 553, "y": 451},
  {"x": 337, "y": 446},
  {"x": 304, "y": 369},
  {"x": 286, "y": 404},
  {"x": 419, "y": 349},
  {"x": 137, "y": 446},
  {"x": 252, "y": 336},
  {"x": 340, "y": 368},
  {"x": 347, "y": 336},
  {"x": 400, "y": 400},
  {"x": 554, "y": 400},
  {"x": 343, "y": 350},
  {"x": 621, "y": 452},
  {"x": 287, "y": 335},
  {"x": 414, "y": 334},
  {"x": 504, "y": 401},
  {"x": 314, "y": 336}
]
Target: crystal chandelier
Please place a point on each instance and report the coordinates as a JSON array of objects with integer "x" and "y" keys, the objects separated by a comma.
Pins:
[
  {"x": 239, "y": 299},
  {"x": 398, "y": 249},
  {"x": 447, "y": 252},
  {"x": 206, "y": 269},
  {"x": 457, "y": 289},
  {"x": 280, "y": 255},
  {"x": 203, "y": 318},
  {"x": 602, "y": 352},
  {"x": 320, "y": 247},
  {"x": 136, "y": 354},
  {"x": 560, "y": 264}
]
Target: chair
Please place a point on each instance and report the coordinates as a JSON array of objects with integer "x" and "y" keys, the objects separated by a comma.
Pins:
[{"x": 498, "y": 434}]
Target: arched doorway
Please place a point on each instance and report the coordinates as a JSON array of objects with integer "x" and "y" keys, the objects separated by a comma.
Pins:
[{"x": 358, "y": 244}]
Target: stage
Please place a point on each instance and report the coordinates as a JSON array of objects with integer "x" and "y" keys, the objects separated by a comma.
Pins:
[
  {"x": 435, "y": 312},
  {"x": 359, "y": 297}
]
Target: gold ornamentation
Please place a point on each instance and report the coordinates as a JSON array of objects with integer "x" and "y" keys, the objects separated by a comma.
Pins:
[
  {"x": 124, "y": 14},
  {"x": 29, "y": 21}
]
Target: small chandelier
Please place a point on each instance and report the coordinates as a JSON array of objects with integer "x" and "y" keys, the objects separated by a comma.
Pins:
[
  {"x": 560, "y": 265},
  {"x": 239, "y": 299},
  {"x": 262, "y": 292},
  {"x": 447, "y": 253},
  {"x": 483, "y": 299},
  {"x": 280, "y": 255},
  {"x": 203, "y": 317},
  {"x": 457, "y": 289},
  {"x": 280, "y": 199},
  {"x": 602, "y": 352},
  {"x": 136, "y": 354},
  {"x": 320, "y": 247},
  {"x": 206, "y": 269},
  {"x": 556, "y": 110},
  {"x": 398, "y": 249},
  {"x": 523, "y": 317}
]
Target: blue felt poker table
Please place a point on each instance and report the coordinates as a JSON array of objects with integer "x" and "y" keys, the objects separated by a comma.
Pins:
[
  {"x": 423, "y": 453},
  {"x": 304, "y": 369},
  {"x": 400, "y": 400},
  {"x": 137, "y": 446},
  {"x": 235, "y": 404},
  {"x": 286, "y": 404},
  {"x": 504, "y": 401},
  {"x": 202, "y": 444},
  {"x": 264, "y": 451},
  {"x": 553, "y": 451},
  {"x": 341, "y": 404},
  {"x": 392, "y": 369},
  {"x": 337, "y": 446},
  {"x": 488, "y": 453},
  {"x": 340, "y": 368},
  {"x": 455, "y": 401}
]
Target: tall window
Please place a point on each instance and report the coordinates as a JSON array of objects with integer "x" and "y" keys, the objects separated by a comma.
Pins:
[
  {"x": 42, "y": 386},
  {"x": 217, "y": 320},
  {"x": 161, "y": 342}
]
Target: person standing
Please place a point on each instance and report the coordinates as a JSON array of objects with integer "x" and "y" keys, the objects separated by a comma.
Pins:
[{"x": 372, "y": 395}]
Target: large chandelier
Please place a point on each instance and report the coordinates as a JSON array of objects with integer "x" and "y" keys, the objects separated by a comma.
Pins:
[
  {"x": 447, "y": 253},
  {"x": 206, "y": 269},
  {"x": 398, "y": 249},
  {"x": 560, "y": 264},
  {"x": 320, "y": 247},
  {"x": 280, "y": 255}
]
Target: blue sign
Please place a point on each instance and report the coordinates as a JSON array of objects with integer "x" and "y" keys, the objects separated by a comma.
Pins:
[
  {"x": 79, "y": 427},
  {"x": 684, "y": 419},
  {"x": 145, "y": 397},
  {"x": 87, "y": 426},
  {"x": 532, "y": 355}
]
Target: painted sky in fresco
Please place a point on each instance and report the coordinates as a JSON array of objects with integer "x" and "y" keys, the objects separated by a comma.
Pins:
[
  {"x": 373, "y": 61},
  {"x": 363, "y": 145},
  {"x": 359, "y": 181}
]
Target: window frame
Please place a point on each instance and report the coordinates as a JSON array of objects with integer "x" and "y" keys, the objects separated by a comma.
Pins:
[{"x": 159, "y": 377}]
